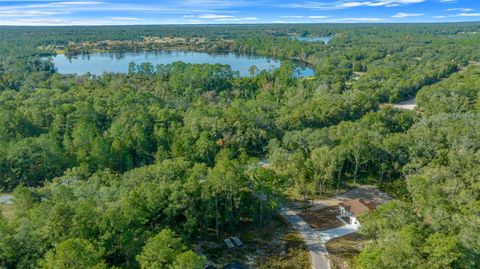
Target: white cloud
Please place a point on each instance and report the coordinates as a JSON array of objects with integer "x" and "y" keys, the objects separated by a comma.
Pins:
[
  {"x": 342, "y": 4},
  {"x": 77, "y": 3},
  {"x": 93, "y": 12},
  {"x": 355, "y": 4},
  {"x": 292, "y": 17},
  {"x": 125, "y": 18},
  {"x": 406, "y": 15},
  {"x": 214, "y": 16},
  {"x": 120, "y": 6},
  {"x": 318, "y": 17},
  {"x": 358, "y": 20},
  {"x": 460, "y": 9},
  {"x": 457, "y": 15},
  {"x": 468, "y": 15},
  {"x": 49, "y": 12},
  {"x": 219, "y": 4},
  {"x": 21, "y": 13},
  {"x": 315, "y": 17},
  {"x": 62, "y": 22},
  {"x": 242, "y": 19},
  {"x": 217, "y": 18},
  {"x": 312, "y": 17}
]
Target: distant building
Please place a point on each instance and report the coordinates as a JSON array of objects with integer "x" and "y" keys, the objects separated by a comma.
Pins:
[
  {"x": 352, "y": 209},
  {"x": 264, "y": 163}
]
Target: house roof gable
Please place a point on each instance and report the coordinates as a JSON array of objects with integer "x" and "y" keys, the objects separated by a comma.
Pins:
[{"x": 358, "y": 206}]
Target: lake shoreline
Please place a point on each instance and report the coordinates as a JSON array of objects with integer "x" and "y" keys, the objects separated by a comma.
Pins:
[{"x": 98, "y": 62}]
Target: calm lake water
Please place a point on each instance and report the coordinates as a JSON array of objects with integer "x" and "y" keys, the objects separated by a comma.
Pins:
[
  {"x": 98, "y": 63},
  {"x": 324, "y": 39}
]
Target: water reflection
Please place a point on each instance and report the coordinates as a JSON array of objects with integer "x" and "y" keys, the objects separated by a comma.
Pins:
[{"x": 98, "y": 63}]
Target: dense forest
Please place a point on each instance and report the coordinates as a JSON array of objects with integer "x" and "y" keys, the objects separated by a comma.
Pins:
[{"x": 128, "y": 170}]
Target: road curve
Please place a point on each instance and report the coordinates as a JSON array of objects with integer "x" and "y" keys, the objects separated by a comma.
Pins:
[{"x": 316, "y": 247}]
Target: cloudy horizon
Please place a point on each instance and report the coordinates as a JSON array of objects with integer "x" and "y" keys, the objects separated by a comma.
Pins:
[{"x": 145, "y": 12}]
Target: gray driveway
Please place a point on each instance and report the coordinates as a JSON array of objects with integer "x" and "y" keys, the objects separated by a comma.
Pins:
[
  {"x": 314, "y": 239},
  {"x": 336, "y": 232},
  {"x": 316, "y": 247}
]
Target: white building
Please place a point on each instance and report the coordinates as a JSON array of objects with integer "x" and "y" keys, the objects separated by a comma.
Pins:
[{"x": 352, "y": 209}]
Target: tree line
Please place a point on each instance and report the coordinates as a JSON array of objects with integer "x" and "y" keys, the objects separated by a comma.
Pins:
[{"x": 129, "y": 170}]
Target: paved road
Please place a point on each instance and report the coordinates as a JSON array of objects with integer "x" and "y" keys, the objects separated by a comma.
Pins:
[
  {"x": 408, "y": 105},
  {"x": 316, "y": 247}
]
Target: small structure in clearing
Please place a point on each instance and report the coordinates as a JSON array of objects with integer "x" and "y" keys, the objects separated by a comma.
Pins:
[
  {"x": 233, "y": 242},
  {"x": 352, "y": 209}
]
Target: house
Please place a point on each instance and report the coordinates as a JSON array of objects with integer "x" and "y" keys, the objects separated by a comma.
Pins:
[
  {"x": 352, "y": 209},
  {"x": 264, "y": 163}
]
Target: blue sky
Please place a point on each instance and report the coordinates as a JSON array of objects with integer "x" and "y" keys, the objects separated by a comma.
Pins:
[{"x": 122, "y": 12}]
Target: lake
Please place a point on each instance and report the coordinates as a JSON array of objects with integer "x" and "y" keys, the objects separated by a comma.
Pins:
[
  {"x": 324, "y": 39},
  {"x": 98, "y": 63}
]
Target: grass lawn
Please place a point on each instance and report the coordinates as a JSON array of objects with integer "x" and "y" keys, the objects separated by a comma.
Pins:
[
  {"x": 343, "y": 249},
  {"x": 276, "y": 245},
  {"x": 6, "y": 210}
]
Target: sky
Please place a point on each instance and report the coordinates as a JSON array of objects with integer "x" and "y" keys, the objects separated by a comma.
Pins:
[{"x": 122, "y": 12}]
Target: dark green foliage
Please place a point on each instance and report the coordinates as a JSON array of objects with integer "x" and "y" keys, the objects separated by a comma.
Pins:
[
  {"x": 457, "y": 94},
  {"x": 127, "y": 170},
  {"x": 166, "y": 250},
  {"x": 72, "y": 254},
  {"x": 440, "y": 214}
]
